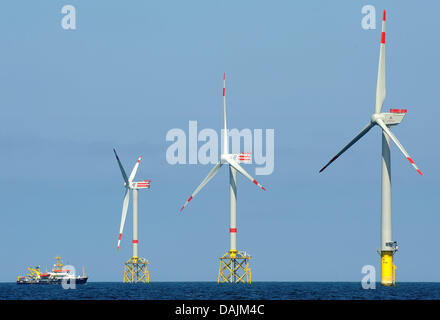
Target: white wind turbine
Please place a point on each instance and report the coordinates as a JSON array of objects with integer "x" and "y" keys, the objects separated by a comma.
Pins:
[
  {"x": 232, "y": 160},
  {"x": 135, "y": 268},
  {"x": 384, "y": 120}
]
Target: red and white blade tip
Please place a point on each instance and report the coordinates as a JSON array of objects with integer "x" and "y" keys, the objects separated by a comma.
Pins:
[
  {"x": 414, "y": 165},
  {"x": 224, "y": 76},
  {"x": 256, "y": 182},
  {"x": 187, "y": 201},
  {"x": 119, "y": 241},
  {"x": 384, "y": 15},
  {"x": 382, "y": 37}
]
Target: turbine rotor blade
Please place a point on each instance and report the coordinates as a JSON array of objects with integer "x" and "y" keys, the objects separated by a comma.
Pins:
[
  {"x": 381, "y": 87},
  {"x": 237, "y": 167},
  {"x": 225, "y": 130},
  {"x": 210, "y": 175},
  {"x": 133, "y": 172},
  {"x": 398, "y": 144},
  {"x": 124, "y": 215},
  {"x": 352, "y": 142},
  {"x": 124, "y": 175}
]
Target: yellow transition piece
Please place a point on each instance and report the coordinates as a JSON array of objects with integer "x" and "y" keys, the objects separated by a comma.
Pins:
[{"x": 388, "y": 268}]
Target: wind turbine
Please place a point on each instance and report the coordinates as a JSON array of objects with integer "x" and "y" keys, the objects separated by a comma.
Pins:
[
  {"x": 234, "y": 265},
  {"x": 384, "y": 120},
  {"x": 136, "y": 268}
]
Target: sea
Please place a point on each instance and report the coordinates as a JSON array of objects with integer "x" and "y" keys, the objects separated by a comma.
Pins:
[{"x": 214, "y": 291}]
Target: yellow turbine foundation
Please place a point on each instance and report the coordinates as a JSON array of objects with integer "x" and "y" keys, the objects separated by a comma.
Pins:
[
  {"x": 136, "y": 271},
  {"x": 234, "y": 268},
  {"x": 388, "y": 269}
]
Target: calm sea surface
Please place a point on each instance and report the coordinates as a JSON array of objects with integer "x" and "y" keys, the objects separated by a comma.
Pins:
[{"x": 212, "y": 290}]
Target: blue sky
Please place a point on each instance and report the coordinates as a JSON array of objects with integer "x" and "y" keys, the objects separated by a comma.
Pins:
[{"x": 131, "y": 72}]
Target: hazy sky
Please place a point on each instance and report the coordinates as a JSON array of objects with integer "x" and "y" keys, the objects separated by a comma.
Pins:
[{"x": 133, "y": 70}]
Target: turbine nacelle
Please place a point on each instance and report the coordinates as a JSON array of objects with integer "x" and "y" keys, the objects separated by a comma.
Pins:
[
  {"x": 394, "y": 117},
  {"x": 145, "y": 184},
  {"x": 141, "y": 185},
  {"x": 243, "y": 157}
]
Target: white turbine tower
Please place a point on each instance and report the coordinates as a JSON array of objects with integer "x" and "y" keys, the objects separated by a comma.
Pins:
[
  {"x": 136, "y": 268},
  {"x": 384, "y": 120},
  {"x": 234, "y": 265}
]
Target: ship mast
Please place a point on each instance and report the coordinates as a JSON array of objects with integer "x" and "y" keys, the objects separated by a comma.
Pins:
[{"x": 59, "y": 264}]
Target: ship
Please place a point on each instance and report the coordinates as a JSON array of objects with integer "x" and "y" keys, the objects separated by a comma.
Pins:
[{"x": 58, "y": 275}]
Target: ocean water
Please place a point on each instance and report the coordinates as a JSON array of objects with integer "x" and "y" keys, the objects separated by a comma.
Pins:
[{"x": 214, "y": 291}]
